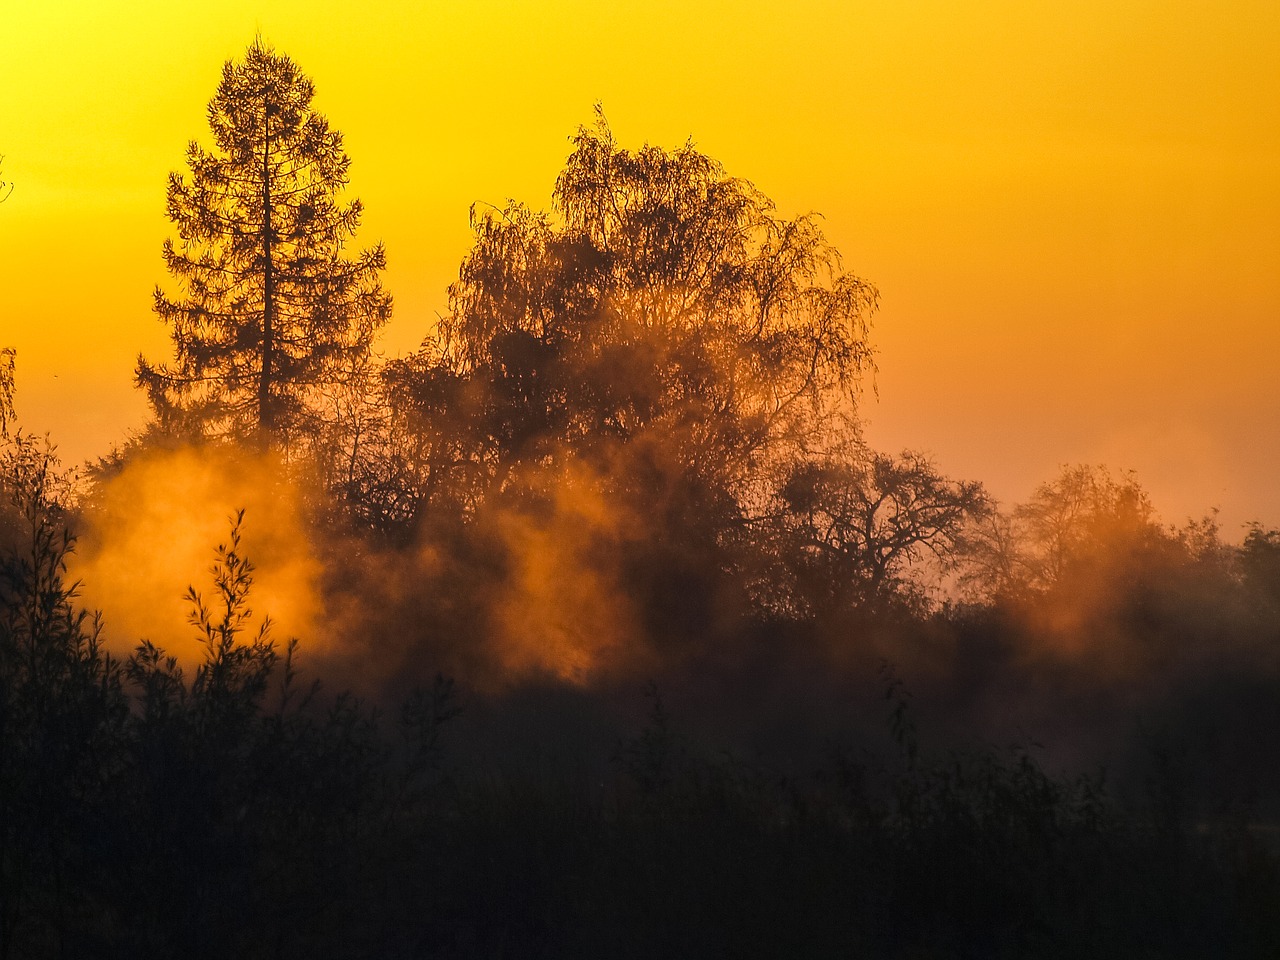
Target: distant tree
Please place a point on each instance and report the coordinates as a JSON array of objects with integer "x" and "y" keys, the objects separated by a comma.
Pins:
[
  {"x": 855, "y": 520},
  {"x": 271, "y": 310},
  {"x": 1081, "y": 518},
  {"x": 1085, "y": 523}
]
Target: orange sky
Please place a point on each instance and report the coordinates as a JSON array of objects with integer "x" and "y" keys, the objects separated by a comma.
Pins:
[{"x": 1073, "y": 214}]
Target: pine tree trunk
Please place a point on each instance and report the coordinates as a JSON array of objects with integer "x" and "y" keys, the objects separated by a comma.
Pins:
[{"x": 266, "y": 419}]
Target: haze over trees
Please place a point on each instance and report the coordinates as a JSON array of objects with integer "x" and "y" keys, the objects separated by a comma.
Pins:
[{"x": 628, "y": 458}]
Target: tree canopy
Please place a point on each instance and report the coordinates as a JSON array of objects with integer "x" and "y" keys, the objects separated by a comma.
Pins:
[{"x": 662, "y": 306}]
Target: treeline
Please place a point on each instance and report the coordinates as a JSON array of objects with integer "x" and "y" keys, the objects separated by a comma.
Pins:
[{"x": 629, "y": 451}]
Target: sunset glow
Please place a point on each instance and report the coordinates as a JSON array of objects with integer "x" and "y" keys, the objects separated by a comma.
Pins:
[{"x": 1073, "y": 215}]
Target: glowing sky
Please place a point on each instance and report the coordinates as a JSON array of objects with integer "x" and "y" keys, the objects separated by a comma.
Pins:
[{"x": 1072, "y": 210}]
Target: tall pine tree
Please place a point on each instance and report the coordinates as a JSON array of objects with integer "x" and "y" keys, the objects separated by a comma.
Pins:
[{"x": 272, "y": 313}]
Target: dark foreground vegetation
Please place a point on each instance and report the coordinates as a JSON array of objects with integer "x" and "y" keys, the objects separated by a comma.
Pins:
[
  {"x": 237, "y": 811},
  {"x": 725, "y": 681}
]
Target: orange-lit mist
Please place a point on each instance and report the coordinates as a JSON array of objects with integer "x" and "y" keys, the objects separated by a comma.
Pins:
[
  {"x": 563, "y": 610},
  {"x": 554, "y": 605},
  {"x": 153, "y": 532}
]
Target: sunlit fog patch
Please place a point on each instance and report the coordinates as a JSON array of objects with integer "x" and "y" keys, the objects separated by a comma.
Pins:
[
  {"x": 151, "y": 532},
  {"x": 562, "y": 609}
]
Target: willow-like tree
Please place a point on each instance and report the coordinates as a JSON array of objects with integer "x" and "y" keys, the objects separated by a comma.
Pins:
[
  {"x": 272, "y": 314},
  {"x": 662, "y": 311}
]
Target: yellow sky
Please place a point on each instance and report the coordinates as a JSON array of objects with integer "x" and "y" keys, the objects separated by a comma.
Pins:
[{"x": 1073, "y": 214}]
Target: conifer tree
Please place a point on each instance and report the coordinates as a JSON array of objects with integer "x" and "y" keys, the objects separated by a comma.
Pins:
[{"x": 272, "y": 312}]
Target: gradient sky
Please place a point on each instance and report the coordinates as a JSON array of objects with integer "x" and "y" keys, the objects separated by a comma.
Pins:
[{"x": 1072, "y": 211}]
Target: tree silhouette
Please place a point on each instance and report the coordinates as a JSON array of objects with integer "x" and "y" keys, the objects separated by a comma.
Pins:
[
  {"x": 1083, "y": 513},
  {"x": 854, "y": 520},
  {"x": 662, "y": 307},
  {"x": 7, "y": 414},
  {"x": 272, "y": 311},
  {"x": 1260, "y": 562},
  {"x": 660, "y": 343},
  {"x": 1088, "y": 543}
]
